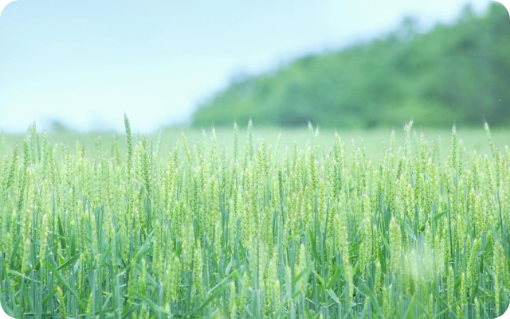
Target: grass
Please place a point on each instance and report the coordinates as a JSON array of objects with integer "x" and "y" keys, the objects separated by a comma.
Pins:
[{"x": 178, "y": 225}]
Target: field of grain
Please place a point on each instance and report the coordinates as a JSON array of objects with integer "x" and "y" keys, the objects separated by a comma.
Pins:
[
  {"x": 375, "y": 141},
  {"x": 252, "y": 225}
]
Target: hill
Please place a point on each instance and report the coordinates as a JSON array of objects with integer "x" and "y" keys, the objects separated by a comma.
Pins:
[{"x": 453, "y": 73}]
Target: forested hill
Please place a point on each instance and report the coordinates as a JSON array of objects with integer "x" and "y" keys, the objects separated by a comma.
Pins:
[{"x": 458, "y": 72}]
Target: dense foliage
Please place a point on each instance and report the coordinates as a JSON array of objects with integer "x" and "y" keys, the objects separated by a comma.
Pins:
[
  {"x": 252, "y": 233},
  {"x": 453, "y": 73}
]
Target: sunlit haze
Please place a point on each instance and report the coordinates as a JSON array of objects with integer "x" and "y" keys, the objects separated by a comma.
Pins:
[{"x": 86, "y": 63}]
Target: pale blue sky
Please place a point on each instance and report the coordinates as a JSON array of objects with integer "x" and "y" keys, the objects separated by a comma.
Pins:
[{"x": 87, "y": 63}]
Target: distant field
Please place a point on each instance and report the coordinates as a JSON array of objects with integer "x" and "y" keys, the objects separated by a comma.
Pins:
[{"x": 375, "y": 141}]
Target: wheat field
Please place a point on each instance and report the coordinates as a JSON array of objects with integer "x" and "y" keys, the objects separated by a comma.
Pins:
[{"x": 133, "y": 230}]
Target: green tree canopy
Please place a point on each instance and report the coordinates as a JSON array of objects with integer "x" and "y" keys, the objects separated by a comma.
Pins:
[{"x": 458, "y": 72}]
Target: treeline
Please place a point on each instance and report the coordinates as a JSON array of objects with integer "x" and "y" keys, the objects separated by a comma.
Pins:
[{"x": 458, "y": 72}]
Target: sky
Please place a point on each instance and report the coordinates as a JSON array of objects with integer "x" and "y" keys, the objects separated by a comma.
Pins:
[{"x": 86, "y": 63}]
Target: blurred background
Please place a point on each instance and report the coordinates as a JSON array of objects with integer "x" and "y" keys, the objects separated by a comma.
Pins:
[{"x": 343, "y": 65}]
